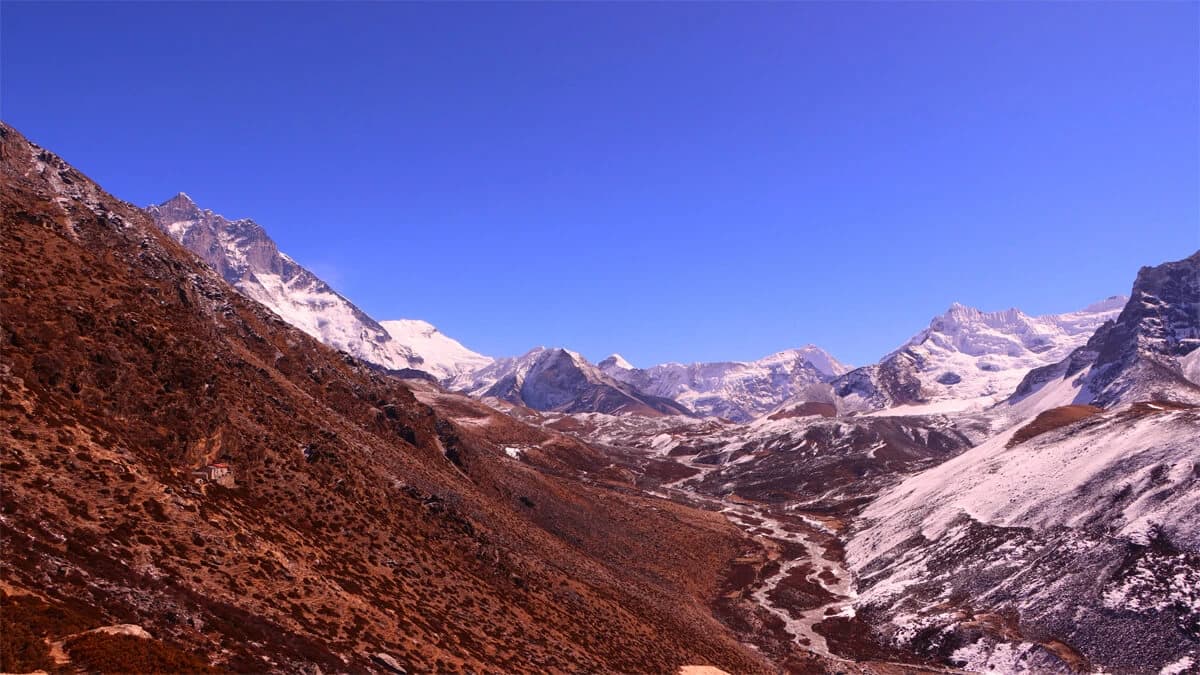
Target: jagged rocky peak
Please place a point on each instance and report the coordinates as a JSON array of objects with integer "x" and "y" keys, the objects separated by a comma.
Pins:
[
  {"x": 1165, "y": 307},
  {"x": 959, "y": 315},
  {"x": 181, "y": 200},
  {"x": 234, "y": 248},
  {"x": 1147, "y": 352}
]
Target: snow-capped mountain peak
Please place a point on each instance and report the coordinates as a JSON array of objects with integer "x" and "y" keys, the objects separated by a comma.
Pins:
[
  {"x": 967, "y": 358},
  {"x": 811, "y": 354},
  {"x": 248, "y": 259},
  {"x": 616, "y": 361}
]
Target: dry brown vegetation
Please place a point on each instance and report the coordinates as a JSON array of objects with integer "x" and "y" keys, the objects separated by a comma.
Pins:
[
  {"x": 1049, "y": 420},
  {"x": 28, "y": 624},
  {"x": 362, "y": 521},
  {"x": 106, "y": 653},
  {"x": 808, "y": 409}
]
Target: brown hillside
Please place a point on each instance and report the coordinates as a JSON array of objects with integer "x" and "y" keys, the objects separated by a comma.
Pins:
[
  {"x": 805, "y": 409},
  {"x": 360, "y": 521}
]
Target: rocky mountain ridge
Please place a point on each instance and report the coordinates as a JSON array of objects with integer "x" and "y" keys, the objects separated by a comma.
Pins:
[{"x": 1147, "y": 352}]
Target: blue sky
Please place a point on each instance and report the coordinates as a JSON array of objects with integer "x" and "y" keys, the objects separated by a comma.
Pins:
[{"x": 671, "y": 181}]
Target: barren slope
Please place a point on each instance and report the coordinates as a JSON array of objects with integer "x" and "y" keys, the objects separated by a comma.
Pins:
[{"x": 361, "y": 522}]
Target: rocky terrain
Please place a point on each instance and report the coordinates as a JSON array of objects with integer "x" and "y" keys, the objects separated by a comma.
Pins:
[
  {"x": 1069, "y": 538},
  {"x": 788, "y": 593}
]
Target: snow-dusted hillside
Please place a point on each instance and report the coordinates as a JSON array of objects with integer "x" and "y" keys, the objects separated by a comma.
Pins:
[
  {"x": 968, "y": 359},
  {"x": 560, "y": 380},
  {"x": 736, "y": 390},
  {"x": 247, "y": 258},
  {"x": 1123, "y": 473},
  {"x": 1082, "y": 522},
  {"x": 1089, "y": 532}
]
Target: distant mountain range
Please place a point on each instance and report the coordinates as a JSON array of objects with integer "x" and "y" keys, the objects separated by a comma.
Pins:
[
  {"x": 563, "y": 381},
  {"x": 734, "y": 390},
  {"x": 966, "y": 359}
]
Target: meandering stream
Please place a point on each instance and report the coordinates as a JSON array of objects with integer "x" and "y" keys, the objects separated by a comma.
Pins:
[{"x": 777, "y": 527}]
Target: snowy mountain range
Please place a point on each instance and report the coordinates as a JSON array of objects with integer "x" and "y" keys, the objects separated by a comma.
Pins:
[
  {"x": 968, "y": 359},
  {"x": 965, "y": 360},
  {"x": 735, "y": 390},
  {"x": 246, "y": 257},
  {"x": 563, "y": 381},
  {"x": 548, "y": 379}
]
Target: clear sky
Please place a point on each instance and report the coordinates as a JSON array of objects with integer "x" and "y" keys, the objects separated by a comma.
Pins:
[{"x": 671, "y": 181}]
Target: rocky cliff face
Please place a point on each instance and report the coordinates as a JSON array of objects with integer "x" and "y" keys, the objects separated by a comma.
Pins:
[{"x": 1146, "y": 353}]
